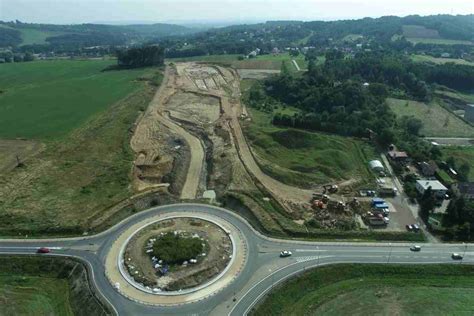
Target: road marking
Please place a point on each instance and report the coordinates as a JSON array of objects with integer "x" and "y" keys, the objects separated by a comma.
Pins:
[
  {"x": 21, "y": 248},
  {"x": 309, "y": 250}
]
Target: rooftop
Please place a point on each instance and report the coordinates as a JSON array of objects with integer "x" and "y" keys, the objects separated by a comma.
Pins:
[{"x": 434, "y": 184}]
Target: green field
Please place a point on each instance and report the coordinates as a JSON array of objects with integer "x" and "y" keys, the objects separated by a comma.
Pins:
[
  {"x": 300, "y": 158},
  {"x": 48, "y": 99},
  {"x": 437, "y": 121},
  {"x": 363, "y": 289},
  {"x": 439, "y": 41},
  {"x": 269, "y": 61},
  {"x": 85, "y": 169},
  {"x": 30, "y": 295},
  {"x": 431, "y": 59},
  {"x": 32, "y": 36},
  {"x": 421, "y": 34},
  {"x": 461, "y": 155}
]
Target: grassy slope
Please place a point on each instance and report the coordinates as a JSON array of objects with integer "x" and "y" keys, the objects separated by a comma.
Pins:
[
  {"x": 307, "y": 156},
  {"x": 375, "y": 289},
  {"x": 426, "y": 58},
  {"x": 32, "y": 36},
  {"x": 31, "y": 295},
  {"x": 48, "y": 99},
  {"x": 461, "y": 155},
  {"x": 78, "y": 176},
  {"x": 437, "y": 121}
]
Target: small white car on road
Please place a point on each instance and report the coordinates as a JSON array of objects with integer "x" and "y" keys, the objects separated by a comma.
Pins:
[{"x": 285, "y": 253}]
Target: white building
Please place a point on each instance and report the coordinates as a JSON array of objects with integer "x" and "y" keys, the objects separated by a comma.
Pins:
[
  {"x": 438, "y": 189},
  {"x": 376, "y": 165}
]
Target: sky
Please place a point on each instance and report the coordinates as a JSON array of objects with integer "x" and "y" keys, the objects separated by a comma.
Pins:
[{"x": 84, "y": 11}]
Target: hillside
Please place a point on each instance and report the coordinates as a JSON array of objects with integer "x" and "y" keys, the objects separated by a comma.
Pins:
[{"x": 20, "y": 34}]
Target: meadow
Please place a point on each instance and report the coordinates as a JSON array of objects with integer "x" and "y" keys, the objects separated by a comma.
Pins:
[
  {"x": 305, "y": 158},
  {"x": 437, "y": 121},
  {"x": 47, "y": 99},
  {"x": 435, "y": 60},
  {"x": 365, "y": 289}
]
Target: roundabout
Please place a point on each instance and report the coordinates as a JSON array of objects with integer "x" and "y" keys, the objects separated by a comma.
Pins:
[
  {"x": 143, "y": 277},
  {"x": 254, "y": 269}
]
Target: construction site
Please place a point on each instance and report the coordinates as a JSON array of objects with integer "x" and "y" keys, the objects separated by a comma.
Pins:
[{"x": 190, "y": 142}]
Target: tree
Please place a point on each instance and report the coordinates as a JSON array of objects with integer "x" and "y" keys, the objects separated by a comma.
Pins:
[
  {"x": 28, "y": 57},
  {"x": 412, "y": 125},
  {"x": 427, "y": 203},
  {"x": 294, "y": 52},
  {"x": 463, "y": 171}
]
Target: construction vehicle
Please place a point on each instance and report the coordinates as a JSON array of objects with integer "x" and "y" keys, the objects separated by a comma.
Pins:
[{"x": 331, "y": 188}]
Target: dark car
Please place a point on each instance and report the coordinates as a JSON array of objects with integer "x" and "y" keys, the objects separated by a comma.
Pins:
[
  {"x": 43, "y": 250},
  {"x": 415, "y": 248},
  {"x": 456, "y": 256}
]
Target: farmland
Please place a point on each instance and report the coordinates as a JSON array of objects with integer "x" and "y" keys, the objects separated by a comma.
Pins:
[
  {"x": 437, "y": 121},
  {"x": 85, "y": 166},
  {"x": 46, "y": 100},
  {"x": 461, "y": 155},
  {"x": 301, "y": 158},
  {"x": 374, "y": 289}
]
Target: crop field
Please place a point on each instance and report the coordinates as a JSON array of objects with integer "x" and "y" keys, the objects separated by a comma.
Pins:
[
  {"x": 364, "y": 289},
  {"x": 48, "y": 99},
  {"x": 461, "y": 155},
  {"x": 437, "y": 121},
  {"x": 32, "y": 295},
  {"x": 431, "y": 59},
  {"x": 439, "y": 41},
  {"x": 300, "y": 158}
]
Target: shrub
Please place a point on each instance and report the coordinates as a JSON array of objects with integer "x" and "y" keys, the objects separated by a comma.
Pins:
[{"x": 175, "y": 249}]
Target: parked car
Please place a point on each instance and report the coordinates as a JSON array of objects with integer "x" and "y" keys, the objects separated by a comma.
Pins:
[
  {"x": 43, "y": 250},
  {"x": 415, "y": 248},
  {"x": 409, "y": 227},
  {"x": 416, "y": 228},
  {"x": 285, "y": 253},
  {"x": 456, "y": 256}
]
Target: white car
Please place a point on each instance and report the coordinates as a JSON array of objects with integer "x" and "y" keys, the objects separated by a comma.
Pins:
[{"x": 285, "y": 253}]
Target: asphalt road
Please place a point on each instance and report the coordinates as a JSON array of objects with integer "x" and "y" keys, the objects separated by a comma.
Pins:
[{"x": 263, "y": 270}]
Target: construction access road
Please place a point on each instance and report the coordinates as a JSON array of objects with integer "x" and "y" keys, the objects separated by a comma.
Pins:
[{"x": 262, "y": 270}]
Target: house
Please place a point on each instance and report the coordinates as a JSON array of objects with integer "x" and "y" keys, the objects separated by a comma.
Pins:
[
  {"x": 400, "y": 157},
  {"x": 464, "y": 189},
  {"x": 437, "y": 188},
  {"x": 428, "y": 169}
]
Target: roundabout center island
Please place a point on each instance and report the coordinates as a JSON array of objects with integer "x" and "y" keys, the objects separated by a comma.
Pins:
[{"x": 176, "y": 258}]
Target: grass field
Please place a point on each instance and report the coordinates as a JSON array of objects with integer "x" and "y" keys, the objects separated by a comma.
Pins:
[
  {"x": 269, "y": 61},
  {"x": 461, "y": 155},
  {"x": 85, "y": 171},
  {"x": 437, "y": 121},
  {"x": 439, "y": 41},
  {"x": 363, "y": 289},
  {"x": 32, "y": 36},
  {"x": 48, "y": 99},
  {"x": 300, "y": 158},
  {"x": 30, "y": 295},
  {"x": 431, "y": 59}
]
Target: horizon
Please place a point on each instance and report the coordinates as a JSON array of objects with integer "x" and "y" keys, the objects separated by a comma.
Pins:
[{"x": 228, "y": 12}]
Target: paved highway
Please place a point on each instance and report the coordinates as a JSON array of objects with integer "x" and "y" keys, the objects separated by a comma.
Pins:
[{"x": 262, "y": 271}]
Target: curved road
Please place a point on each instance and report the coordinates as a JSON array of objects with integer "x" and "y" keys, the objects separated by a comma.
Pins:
[{"x": 262, "y": 271}]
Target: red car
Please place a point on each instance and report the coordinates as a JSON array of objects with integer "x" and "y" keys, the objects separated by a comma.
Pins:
[{"x": 43, "y": 250}]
